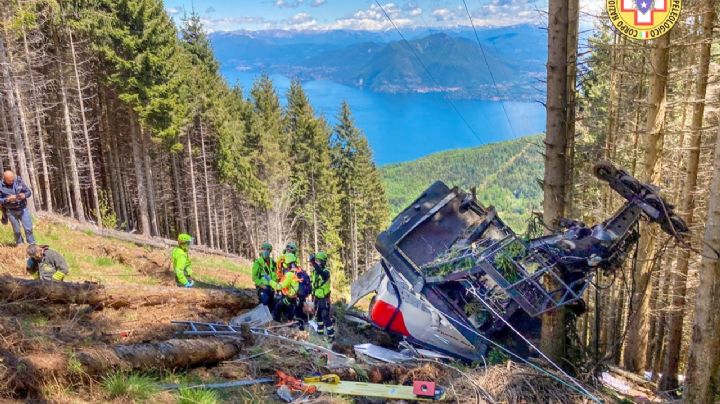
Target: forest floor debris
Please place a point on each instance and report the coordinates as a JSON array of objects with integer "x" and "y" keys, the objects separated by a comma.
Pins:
[{"x": 38, "y": 334}]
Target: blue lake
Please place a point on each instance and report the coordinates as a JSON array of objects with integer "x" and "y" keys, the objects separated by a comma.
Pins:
[{"x": 402, "y": 127}]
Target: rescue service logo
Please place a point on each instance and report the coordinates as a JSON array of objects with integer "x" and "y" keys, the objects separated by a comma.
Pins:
[{"x": 643, "y": 19}]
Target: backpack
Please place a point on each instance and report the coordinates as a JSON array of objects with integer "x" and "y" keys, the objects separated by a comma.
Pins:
[{"x": 305, "y": 289}]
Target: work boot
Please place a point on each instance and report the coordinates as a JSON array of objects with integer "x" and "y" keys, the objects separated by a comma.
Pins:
[
  {"x": 301, "y": 325},
  {"x": 331, "y": 333},
  {"x": 321, "y": 329}
]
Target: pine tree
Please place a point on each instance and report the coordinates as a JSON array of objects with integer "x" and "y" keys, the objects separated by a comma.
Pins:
[
  {"x": 313, "y": 182},
  {"x": 363, "y": 204}
]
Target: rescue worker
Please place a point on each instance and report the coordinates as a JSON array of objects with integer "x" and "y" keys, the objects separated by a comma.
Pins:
[
  {"x": 291, "y": 247},
  {"x": 182, "y": 266},
  {"x": 45, "y": 264},
  {"x": 263, "y": 272},
  {"x": 321, "y": 294},
  {"x": 13, "y": 200},
  {"x": 288, "y": 285}
]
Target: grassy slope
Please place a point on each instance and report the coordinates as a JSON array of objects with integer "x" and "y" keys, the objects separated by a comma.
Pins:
[
  {"x": 505, "y": 173},
  {"x": 89, "y": 258}
]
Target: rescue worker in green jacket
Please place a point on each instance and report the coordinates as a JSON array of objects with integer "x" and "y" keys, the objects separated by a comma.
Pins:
[
  {"x": 46, "y": 264},
  {"x": 182, "y": 266},
  {"x": 321, "y": 294},
  {"x": 288, "y": 285},
  {"x": 291, "y": 247},
  {"x": 263, "y": 273}
]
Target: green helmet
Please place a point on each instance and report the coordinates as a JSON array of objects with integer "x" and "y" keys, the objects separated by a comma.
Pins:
[
  {"x": 184, "y": 238},
  {"x": 291, "y": 247},
  {"x": 266, "y": 246},
  {"x": 289, "y": 258},
  {"x": 321, "y": 256}
]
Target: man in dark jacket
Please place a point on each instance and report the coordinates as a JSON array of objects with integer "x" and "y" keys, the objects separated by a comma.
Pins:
[
  {"x": 45, "y": 264},
  {"x": 13, "y": 198}
]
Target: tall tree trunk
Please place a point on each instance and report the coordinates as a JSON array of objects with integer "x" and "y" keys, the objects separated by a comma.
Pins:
[
  {"x": 86, "y": 132},
  {"x": 208, "y": 210},
  {"x": 152, "y": 209},
  {"x": 39, "y": 128},
  {"x": 15, "y": 116},
  {"x": 653, "y": 137},
  {"x": 553, "y": 323},
  {"x": 704, "y": 358},
  {"x": 668, "y": 381},
  {"x": 180, "y": 217},
  {"x": 224, "y": 221},
  {"x": 142, "y": 196},
  {"x": 314, "y": 211},
  {"x": 117, "y": 169},
  {"x": 193, "y": 190},
  {"x": 70, "y": 144},
  {"x": 7, "y": 136},
  {"x": 572, "y": 45}
]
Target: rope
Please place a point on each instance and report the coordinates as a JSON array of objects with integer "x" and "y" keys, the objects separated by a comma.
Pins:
[
  {"x": 437, "y": 83},
  {"x": 575, "y": 384},
  {"x": 492, "y": 76}
]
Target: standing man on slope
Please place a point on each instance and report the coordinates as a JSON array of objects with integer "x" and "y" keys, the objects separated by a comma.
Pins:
[
  {"x": 13, "y": 198},
  {"x": 182, "y": 266},
  {"x": 321, "y": 294},
  {"x": 263, "y": 273}
]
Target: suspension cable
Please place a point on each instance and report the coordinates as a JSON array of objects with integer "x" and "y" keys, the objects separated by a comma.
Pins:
[
  {"x": 577, "y": 386},
  {"x": 492, "y": 76},
  {"x": 437, "y": 83}
]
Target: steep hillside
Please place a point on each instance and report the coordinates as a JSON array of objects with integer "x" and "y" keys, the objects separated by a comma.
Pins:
[{"x": 505, "y": 175}]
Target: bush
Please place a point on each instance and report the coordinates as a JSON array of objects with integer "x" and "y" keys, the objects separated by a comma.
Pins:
[
  {"x": 133, "y": 386},
  {"x": 197, "y": 396}
]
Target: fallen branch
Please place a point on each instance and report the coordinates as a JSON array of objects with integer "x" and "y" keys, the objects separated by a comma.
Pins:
[
  {"x": 137, "y": 239},
  {"x": 34, "y": 370},
  {"x": 117, "y": 296}
]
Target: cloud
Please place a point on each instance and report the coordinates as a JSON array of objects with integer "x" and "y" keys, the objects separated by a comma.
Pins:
[
  {"x": 373, "y": 19},
  {"x": 403, "y": 14},
  {"x": 288, "y": 3},
  {"x": 234, "y": 23},
  {"x": 300, "y": 21},
  {"x": 173, "y": 11},
  {"x": 443, "y": 14},
  {"x": 210, "y": 10}
]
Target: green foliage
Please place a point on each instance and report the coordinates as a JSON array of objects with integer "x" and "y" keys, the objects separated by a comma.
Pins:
[
  {"x": 505, "y": 260},
  {"x": 131, "y": 386},
  {"x": 496, "y": 357},
  {"x": 506, "y": 176},
  {"x": 197, "y": 396},
  {"x": 109, "y": 217},
  {"x": 363, "y": 204}
]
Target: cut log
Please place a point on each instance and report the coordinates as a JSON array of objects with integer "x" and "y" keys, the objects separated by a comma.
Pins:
[
  {"x": 34, "y": 370},
  {"x": 118, "y": 296}
]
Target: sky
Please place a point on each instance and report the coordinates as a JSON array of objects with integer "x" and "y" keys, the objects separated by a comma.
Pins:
[{"x": 230, "y": 15}]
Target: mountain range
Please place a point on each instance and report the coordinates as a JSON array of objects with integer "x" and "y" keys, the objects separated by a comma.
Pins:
[{"x": 450, "y": 61}]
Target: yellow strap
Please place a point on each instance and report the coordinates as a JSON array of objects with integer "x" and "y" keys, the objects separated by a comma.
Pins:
[{"x": 389, "y": 391}]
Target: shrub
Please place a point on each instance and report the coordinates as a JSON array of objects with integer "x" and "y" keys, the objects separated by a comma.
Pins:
[
  {"x": 132, "y": 386},
  {"x": 197, "y": 396}
]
